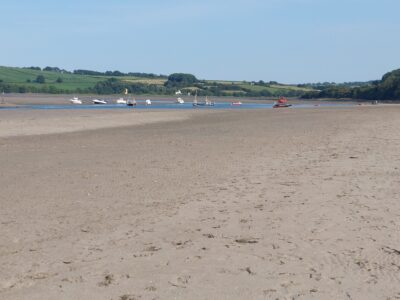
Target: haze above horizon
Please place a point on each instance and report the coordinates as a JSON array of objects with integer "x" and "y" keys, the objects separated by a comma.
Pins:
[{"x": 290, "y": 41}]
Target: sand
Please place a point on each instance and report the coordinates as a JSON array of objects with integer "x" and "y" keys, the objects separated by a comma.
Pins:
[
  {"x": 37, "y": 122},
  {"x": 267, "y": 204}
]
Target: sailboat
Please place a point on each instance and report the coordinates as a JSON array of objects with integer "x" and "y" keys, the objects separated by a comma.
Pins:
[
  {"x": 205, "y": 103},
  {"x": 195, "y": 103},
  {"x": 128, "y": 102}
]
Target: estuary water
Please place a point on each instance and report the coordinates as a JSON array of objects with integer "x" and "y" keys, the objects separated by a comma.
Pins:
[{"x": 163, "y": 105}]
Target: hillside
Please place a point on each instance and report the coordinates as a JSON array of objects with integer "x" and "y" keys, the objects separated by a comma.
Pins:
[
  {"x": 55, "y": 80},
  {"x": 388, "y": 88},
  {"x": 24, "y": 79}
]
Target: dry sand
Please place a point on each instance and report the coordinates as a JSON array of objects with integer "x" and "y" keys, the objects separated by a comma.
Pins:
[{"x": 272, "y": 204}]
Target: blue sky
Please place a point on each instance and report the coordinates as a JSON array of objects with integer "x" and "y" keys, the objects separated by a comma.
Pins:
[{"x": 290, "y": 41}]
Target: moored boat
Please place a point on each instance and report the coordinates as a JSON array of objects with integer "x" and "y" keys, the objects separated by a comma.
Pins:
[
  {"x": 121, "y": 101},
  {"x": 205, "y": 103},
  {"x": 131, "y": 102},
  {"x": 97, "y": 101},
  {"x": 75, "y": 100},
  {"x": 282, "y": 102}
]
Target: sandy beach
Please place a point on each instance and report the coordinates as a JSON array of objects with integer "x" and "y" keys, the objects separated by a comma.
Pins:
[{"x": 251, "y": 204}]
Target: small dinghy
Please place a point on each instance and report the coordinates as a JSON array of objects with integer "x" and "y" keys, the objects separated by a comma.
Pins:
[
  {"x": 131, "y": 102},
  {"x": 121, "y": 101},
  {"x": 75, "y": 100},
  {"x": 97, "y": 101}
]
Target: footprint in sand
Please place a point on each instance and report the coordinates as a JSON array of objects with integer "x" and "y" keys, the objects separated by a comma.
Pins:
[
  {"x": 108, "y": 279},
  {"x": 181, "y": 281}
]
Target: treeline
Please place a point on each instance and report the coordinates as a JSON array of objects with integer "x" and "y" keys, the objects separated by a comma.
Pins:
[
  {"x": 388, "y": 88},
  {"x": 325, "y": 85},
  {"x": 40, "y": 88},
  {"x": 96, "y": 73},
  {"x": 117, "y": 74},
  {"x": 48, "y": 69}
]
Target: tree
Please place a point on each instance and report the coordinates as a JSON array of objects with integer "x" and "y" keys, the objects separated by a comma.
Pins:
[
  {"x": 180, "y": 79},
  {"x": 59, "y": 80},
  {"x": 40, "y": 79},
  {"x": 34, "y": 68},
  {"x": 52, "y": 69}
]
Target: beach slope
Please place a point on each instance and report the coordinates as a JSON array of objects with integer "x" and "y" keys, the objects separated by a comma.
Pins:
[{"x": 258, "y": 204}]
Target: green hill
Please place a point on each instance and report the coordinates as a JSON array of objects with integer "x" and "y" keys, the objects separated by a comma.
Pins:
[
  {"x": 388, "y": 88},
  {"x": 24, "y": 78},
  {"x": 55, "y": 80}
]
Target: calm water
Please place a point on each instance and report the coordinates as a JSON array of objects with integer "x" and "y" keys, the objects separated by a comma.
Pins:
[{"x": 157, "y": 105}]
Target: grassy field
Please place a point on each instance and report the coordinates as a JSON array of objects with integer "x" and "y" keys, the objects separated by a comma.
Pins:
[
  {"x": 70, "y": 82},
  {"x": 157, "y": 81}
]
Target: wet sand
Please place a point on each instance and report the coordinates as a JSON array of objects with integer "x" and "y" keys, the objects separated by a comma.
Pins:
[{"x": 267, "y": 204}]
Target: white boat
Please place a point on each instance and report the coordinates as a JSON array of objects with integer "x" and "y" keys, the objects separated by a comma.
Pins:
[
  {"x": 180, "y": 101},
  {"x": 178, "y": 92},
  {"x": 131, "y": 102},
  {"x": 75, "y": 100},
  {"x": 148, "y": 102},
  {"x": 121, "y": 101},
  {"x": 97, "y": 101},
  {"x": 209, "y": 103}
]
